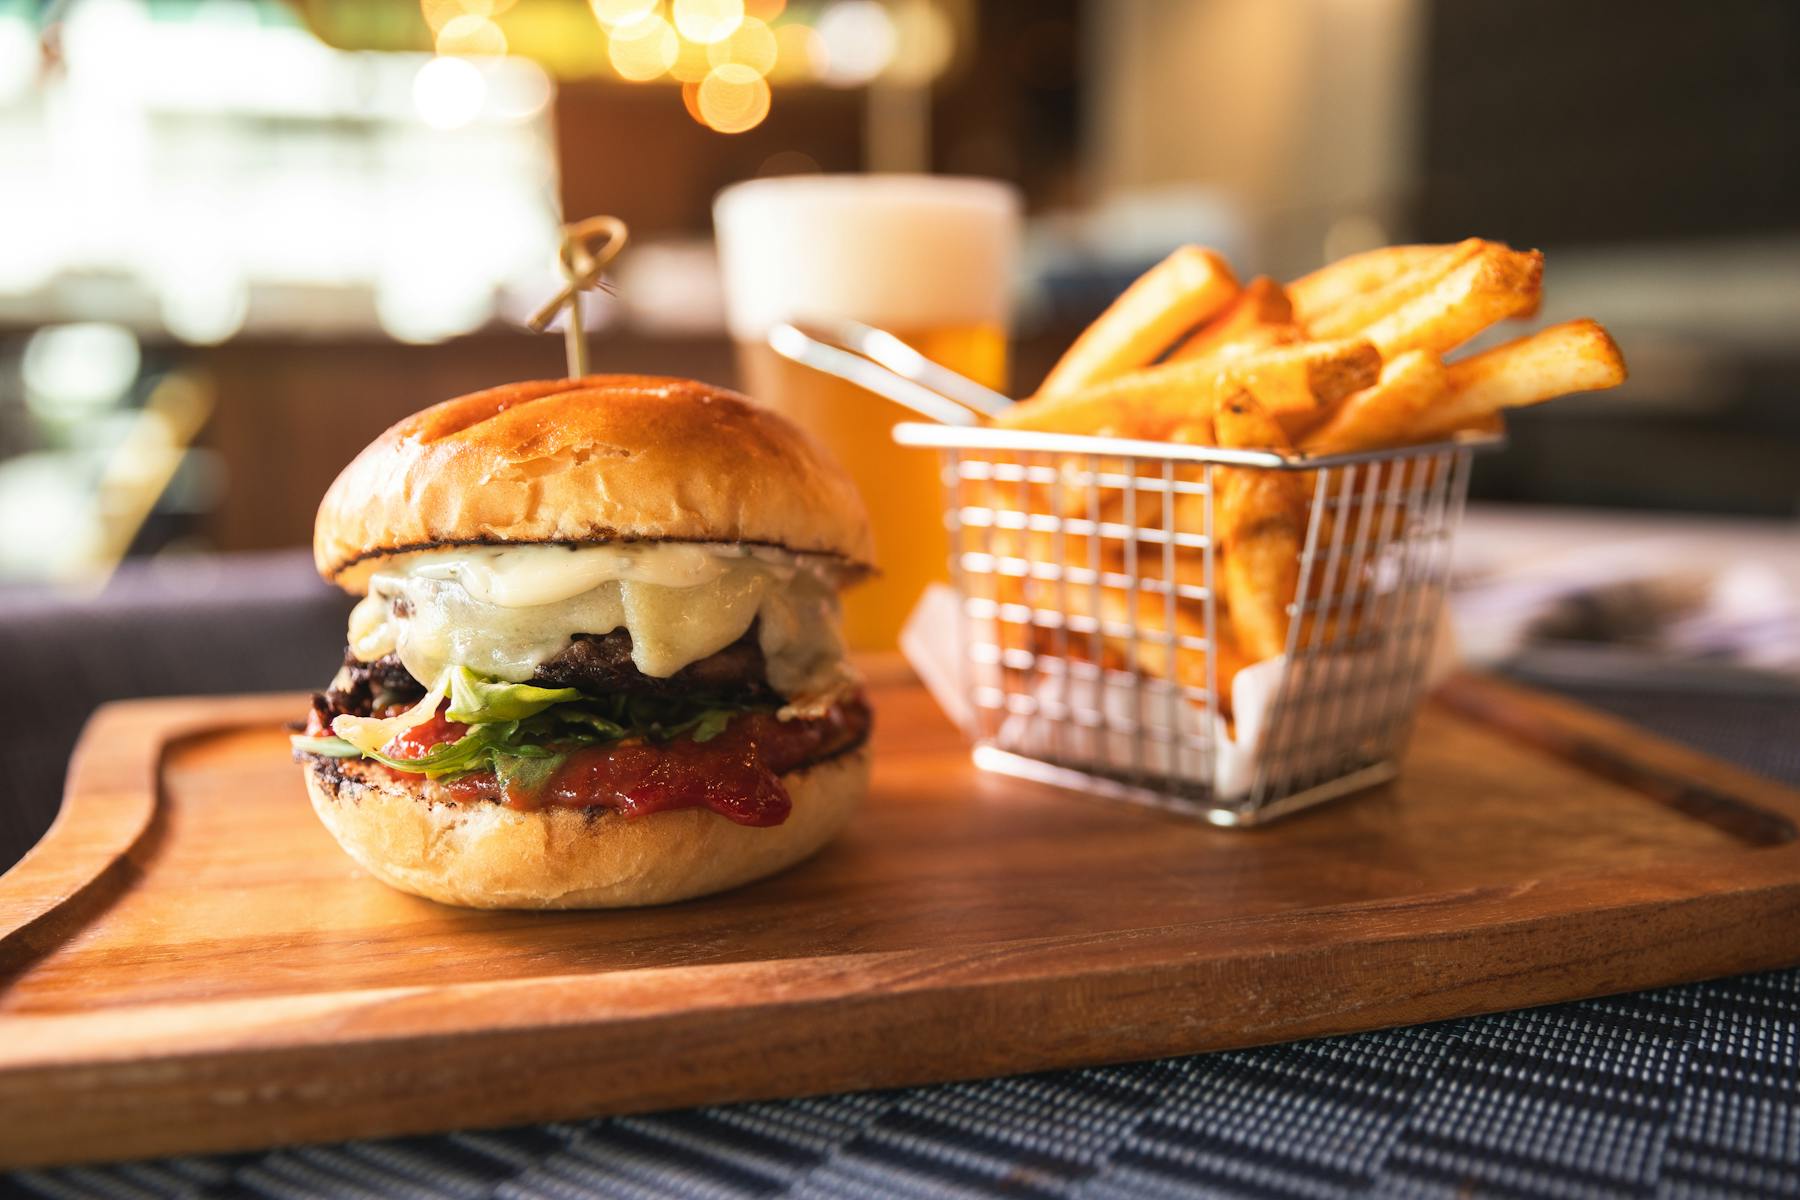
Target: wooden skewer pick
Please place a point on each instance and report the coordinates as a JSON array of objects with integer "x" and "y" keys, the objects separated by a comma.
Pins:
[{"x": 587, "y": 247}]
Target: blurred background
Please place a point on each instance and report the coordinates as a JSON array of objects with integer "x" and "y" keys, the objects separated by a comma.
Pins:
[{"x": 240, "y": 237}]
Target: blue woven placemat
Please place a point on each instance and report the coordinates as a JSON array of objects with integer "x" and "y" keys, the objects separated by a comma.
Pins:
[{"x": 1686, "y": 1091}]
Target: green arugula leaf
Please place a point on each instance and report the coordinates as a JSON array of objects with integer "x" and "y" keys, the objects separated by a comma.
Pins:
[
  {"x": 330, "y": 747},
  {"x": 471, "y": 752},
  {"x": 523, "y": 733},
  {"x": 526, "y": 774},
  {"x": 591, "y": 724},
  {"x": 711, "y": 723},
  {"x": 664, "y": 718},
  {"x": 474, "y": 700}
]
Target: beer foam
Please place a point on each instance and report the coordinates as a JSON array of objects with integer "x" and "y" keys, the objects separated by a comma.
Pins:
[{"x": 904, "y": 252}]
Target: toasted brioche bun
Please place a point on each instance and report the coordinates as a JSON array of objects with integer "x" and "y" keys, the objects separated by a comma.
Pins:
[
  {"x": 604, "y": 458},
  {"x": 485, "y": 855}
]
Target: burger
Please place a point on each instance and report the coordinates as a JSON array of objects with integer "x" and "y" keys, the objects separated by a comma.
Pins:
[{"x": 597, "y": 661}]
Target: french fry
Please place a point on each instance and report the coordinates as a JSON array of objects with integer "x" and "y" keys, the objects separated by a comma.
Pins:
[
  {"x": 1150, "y": 402},
  {"x": 1000, "y": 543},
  {"x": 1190, "y": 508},
  {"x": 1344, "y": 360},
  {"x": 1496, "y": 284},
  {"x": 1336, "y": 282},
  {"x": 1189, "y": 515},
  {"x": 1077, "y": 492},
  {"x": 1194, "y": 433},
  {"x": 1307, "y": 378},
  {"x": 1180, "y": 292},
  {"x": 1261, "y": 525},
  {"x": 1576, "y": 356},
  {"x": 1298, "y": 423},
  {"x": 1357, "y": 312},
  {"x": 1386, "y": 413},
  {"x": 1151, "y": 652},
  {"x": 1258, "y": 319}
]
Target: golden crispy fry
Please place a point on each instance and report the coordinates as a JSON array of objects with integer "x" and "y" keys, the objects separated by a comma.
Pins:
[
  {"x": 1180, "y": 292},
  {"x": 1151, "y": 564},
  {"x": 1079, "y": 491},
  {"x": 1183, "y": 664},
  {"x": 1248, "y": 376},
  {"x": 1356, "y": 313},
  {"x": 1576, "y": 356},
  {"x": 1001, "y": 543},
  {"x": 1190, "y": 510},
  {"x": 1385, "y": 414},
  {"x": 1151, "y": 402},
  {"x": 1298, "y": 423},
  {"x": 1495, "y": 284},
  {"x": 1306, "y": 378},
  {"x": 1194, "y": 433},
  {"x": 1354, "y": 275},
  {"x": 1261, "y": 526},
  {"x": 1258, "y": 319},
  {"x": 1372, "y": 511}
]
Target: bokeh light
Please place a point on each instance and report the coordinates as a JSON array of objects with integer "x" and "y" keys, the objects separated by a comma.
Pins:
[
  {"x": 471, "y": 35},
  {"x": 643, "y": 50},
  {"x": 20, "y": 57},
  {"x": 691, "y": 62},
  {"x": 924, "y": 44},
  {"x": 753, "y": 46},
  {"x": 439, "y": 13},
  {"x": 614, "y": 13},
  {"x": 421, "y": 297},
  {"x": 724, "y": 53},
  {"x": 521, "y": 92},
  {"x": 707, "y": 21},
  {"x": 448, "y": 93},
  {"x": 733, "y": 98},
  {"x": 85, "y": 366},
  {"x": 799, "y": 53},
  {"x": 859, "y": 41},
  {"x": 206, "y": 311}
]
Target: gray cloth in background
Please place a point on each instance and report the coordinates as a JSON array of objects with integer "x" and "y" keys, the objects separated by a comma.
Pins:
[
  {"x": 249, "y": 623},
  {"x": 1683, "y": 1092}
]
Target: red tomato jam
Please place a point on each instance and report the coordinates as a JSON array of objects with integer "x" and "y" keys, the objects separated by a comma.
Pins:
[
  {"x": 736, "y": 774},
  {"x": 418, "y": 741}
]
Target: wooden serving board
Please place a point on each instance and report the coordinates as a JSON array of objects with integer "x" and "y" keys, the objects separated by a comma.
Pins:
[{"x": 188, "y": 963}]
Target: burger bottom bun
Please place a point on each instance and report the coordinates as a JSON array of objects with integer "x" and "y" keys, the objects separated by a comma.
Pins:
[{"x": 486, "y": 855}]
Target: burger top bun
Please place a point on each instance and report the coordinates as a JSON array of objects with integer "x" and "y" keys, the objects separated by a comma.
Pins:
[{"x": 598, "y": 459}]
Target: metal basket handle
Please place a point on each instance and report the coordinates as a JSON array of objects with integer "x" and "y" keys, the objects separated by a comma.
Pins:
[{"x": 880, "y": 362}]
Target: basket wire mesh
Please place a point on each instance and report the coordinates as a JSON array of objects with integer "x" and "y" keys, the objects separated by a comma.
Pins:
[{"x": 1093, "y": 634}]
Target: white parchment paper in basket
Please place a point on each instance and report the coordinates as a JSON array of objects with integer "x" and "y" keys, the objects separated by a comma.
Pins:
[{"x": 933, "y": 643}]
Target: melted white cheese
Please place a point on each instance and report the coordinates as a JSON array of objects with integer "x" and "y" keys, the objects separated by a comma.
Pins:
[
  {"x": 533, "y": 576},
  {"x": 502, "y": 611}
]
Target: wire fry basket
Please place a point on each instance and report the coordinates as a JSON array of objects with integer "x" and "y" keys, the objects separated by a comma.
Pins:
[{"x": 1092, "y": 630}]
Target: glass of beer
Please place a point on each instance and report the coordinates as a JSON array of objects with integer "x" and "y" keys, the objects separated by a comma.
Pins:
[{"x": 929, "y": 259}]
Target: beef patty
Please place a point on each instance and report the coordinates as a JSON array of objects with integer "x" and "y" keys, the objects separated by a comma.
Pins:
[{"x": 598, "y": 664}]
